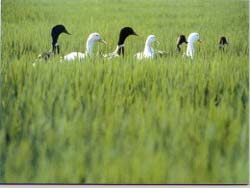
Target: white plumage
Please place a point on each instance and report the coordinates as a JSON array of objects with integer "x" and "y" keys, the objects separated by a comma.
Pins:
[
  {"x": 74, "y": 56},
  {"x": 115, "y": 53},
  {"x": 92, "y": 39},
  {"x": 192, "y": 38},
  {"x": 149, "y": 52}
]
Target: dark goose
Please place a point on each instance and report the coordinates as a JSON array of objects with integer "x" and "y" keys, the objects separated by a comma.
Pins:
[
  {"x": 55, "y": 33},
  {"x": 119, "y": 51},
  {"x": 223, "y": 41},
  {"x": 181, "y": 39}
]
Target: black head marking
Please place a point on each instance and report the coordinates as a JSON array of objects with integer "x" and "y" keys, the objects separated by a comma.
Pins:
[
  {"x": 223, "y": 42},
  {"x": 181, "y": 39},
  {"x": 124, "y": 33},
  {"x": 7, "y": 138},
  {"x": 121, "y": 51},
  {"x": 55, "y": 33}
]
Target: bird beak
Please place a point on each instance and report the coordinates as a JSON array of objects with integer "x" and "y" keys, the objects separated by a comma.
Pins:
[
  {"x": 199, "y": 41},
  {"x": 103, "y": 41},
  {"x": 135, "y": 34},
  {"x": 67, "y": 32}
]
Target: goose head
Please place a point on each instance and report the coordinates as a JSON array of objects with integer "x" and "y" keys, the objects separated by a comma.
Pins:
[
  {"x": 151, "y": 39},
  {"x": 223, "y": 41},
  {"x": 193, "y": 37},
  {"x": 95, "y": 37},
  {"x": 92, "y": 39},
  {"x": 124, "y": 33},
  {"x": 181, "y": 39},
  {"x": 55, "y": 33}
]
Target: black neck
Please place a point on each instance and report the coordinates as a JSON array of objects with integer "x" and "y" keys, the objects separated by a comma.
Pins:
[
  {"x": 55, "y": 38},
  {"x": 178, "y": 48},
  {"x": 121, "y": 40},
  {"x": 121, "y": 51},
  {"x": 55, "y": 48}
]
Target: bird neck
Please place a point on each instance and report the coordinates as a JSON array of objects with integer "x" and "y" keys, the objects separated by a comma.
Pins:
[
  {"x": 120, "y": 49},
  {"x": 148, "y": 49},
  {"x": 122, "y": 39},
  {"x": 178, "y": 47},
  {"x": 190, "y": 50},
  {"x": 89, "y": 47},
  {"x": 190, "y": 44},
  {"x": 180, "y": 42},
  {"x": 55, "y": 37}
]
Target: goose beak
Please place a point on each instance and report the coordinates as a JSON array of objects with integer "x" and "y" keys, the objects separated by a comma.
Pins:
[
  {"x": 67, "y": 32},
  {"x": 103, "y": 41},
  {"x": 135, "y": 34}
]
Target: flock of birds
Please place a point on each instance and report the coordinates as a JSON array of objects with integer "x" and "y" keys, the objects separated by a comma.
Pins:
[{"x": 147, "y": 53}]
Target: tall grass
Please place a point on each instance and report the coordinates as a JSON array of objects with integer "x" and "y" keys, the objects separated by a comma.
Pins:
[{"x": 169, "y": 120}]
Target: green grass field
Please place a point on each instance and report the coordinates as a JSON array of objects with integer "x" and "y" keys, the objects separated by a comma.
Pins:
[{"x": 169, "y": 120}]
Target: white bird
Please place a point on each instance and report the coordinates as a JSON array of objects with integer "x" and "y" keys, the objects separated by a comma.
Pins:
[
  {"x": 192, "y": 38},
  {"x": 92, "y": 39},
  {"x": 149, "y": 52}
]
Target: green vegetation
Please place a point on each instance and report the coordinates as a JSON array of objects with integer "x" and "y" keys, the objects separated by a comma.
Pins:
[{"x": 170, "y": 120}]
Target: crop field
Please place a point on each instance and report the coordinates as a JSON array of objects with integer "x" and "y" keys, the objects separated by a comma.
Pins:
[{"x": 163, "y": 121}]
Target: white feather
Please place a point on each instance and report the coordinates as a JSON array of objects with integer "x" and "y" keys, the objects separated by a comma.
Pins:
[
  {"x": 192, "y": 38},
  {"x": 73, "y": 56},
  {"x": 92, "y": 39},
  {"x": 114, "y": 54},
  {"x": 148, "y": 52}
]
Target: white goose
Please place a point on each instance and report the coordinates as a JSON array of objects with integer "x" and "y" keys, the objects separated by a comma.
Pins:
[
  {"x": 92, "y": 39},
  {"x": 149, "y": 52},
  {"x": 192, "y": 38}
]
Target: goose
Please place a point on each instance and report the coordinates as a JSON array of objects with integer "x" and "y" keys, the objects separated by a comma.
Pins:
[
  {"x": 92, "y": 39},
  {"x": 192, "y": 38},
  {"x": 56, "y": 31},
  {"x": 119, "y": 51},
  {"x": 149, "y": 52},
  {"x": 181, "y": 39},
  {"x": 223, "y": 42}
]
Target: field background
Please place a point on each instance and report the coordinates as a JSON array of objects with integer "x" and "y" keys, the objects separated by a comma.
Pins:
[{"x": 169, "y": 120}]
